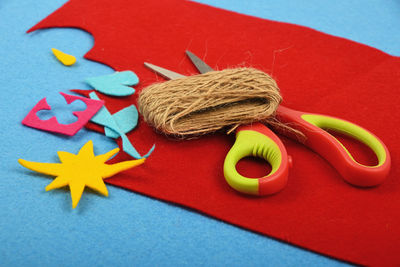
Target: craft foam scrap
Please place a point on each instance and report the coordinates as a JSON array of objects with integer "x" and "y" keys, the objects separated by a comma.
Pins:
[
  {"x": 81, "y": 170},
  {"x": 104, "y": 118},
  {"x": 52, "y": 125},
  {"x": 64, "y": 58},
  {"x": 116, "y": 84}
]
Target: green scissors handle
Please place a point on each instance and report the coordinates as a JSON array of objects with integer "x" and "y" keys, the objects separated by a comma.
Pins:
[{"x": 257, "y": 140}]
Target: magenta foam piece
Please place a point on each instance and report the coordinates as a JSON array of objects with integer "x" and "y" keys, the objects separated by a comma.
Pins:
[{"x": 52, "y": 125}]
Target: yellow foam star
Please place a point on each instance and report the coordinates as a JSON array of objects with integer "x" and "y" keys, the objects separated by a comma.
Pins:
[{"x": 83, "y": 169}]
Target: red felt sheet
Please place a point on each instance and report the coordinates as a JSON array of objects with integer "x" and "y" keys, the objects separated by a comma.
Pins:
[{"x": 316, "y": 73}]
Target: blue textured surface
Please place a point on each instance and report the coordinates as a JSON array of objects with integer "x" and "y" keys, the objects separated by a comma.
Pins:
[{"x": 39, "y": 228}]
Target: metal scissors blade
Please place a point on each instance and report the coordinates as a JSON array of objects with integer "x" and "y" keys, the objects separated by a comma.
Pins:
[
  {"x": 168, "y": 74},
  {"x": 201, "y": 66}
]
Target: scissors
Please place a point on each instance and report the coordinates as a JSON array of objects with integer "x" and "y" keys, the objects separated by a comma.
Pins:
[{"x": 257, "y": 140}]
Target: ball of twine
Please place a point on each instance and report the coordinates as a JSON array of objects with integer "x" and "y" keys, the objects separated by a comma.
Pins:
[{"x": 204, "y": 103}]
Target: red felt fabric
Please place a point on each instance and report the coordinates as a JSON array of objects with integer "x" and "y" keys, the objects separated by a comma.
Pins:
[{"x": 316, "y": 72}]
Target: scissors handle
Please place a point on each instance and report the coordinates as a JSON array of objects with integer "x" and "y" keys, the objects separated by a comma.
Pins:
[
  {"x": 314, "y": 127},
  {"x": 257, "y": 140}
]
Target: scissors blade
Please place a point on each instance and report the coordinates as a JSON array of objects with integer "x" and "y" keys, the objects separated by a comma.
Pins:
[
  {"x": 201, "y": 66},
  {"x": 164, "y": 72}
]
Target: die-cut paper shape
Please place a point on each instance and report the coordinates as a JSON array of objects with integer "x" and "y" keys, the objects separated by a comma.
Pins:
[
  {"x": 52, "y": 125},
  {"x": 116, "y": 84}
]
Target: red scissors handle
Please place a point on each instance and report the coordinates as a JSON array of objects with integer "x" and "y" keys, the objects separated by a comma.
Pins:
[{"x": 314, "y": 127}]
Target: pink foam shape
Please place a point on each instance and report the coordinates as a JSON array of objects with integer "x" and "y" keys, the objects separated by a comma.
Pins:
[{"x": 52, "y": 125}]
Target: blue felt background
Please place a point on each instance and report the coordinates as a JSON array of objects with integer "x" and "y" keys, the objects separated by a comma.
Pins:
[{"x": 39, "y": 228}]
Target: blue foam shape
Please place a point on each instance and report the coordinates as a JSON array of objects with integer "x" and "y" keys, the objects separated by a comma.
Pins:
[
  {"x": 39, "y": 228},
  {"x": 116, "y": 84},
  {"x": 126, "y": 119},
  {"x": 104, "y": 118}
]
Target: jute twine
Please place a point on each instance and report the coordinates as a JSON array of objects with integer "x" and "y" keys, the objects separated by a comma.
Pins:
[{"x": 204, "y": 103}]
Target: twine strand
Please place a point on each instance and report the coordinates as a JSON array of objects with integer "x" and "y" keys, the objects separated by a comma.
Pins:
[{"x": 205, "y": 103}]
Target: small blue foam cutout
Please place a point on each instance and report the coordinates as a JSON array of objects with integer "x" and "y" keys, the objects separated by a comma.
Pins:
[
  {"x": 116, "y": 84},
  {"x": 111, "y": 124},
  {"x": 126, "y": 119}
]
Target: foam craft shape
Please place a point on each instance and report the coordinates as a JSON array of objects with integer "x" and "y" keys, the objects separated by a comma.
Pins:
[
  {"x": 116, "y": 84},
  {"x": 64, "y": 58},
  {"x": 316, "y": 72},
  {"x": 126, "y": 119},
  {"x": 81, "y": 170},
  {"x": 52, "y": 125},
  {"x": 104, "y": 117}
]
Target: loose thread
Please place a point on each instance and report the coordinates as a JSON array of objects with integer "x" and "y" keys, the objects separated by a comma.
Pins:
[{"x": 200, "y": 104}]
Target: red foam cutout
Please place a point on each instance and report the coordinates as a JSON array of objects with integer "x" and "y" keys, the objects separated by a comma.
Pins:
[{"x": 316, "y": 73}]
